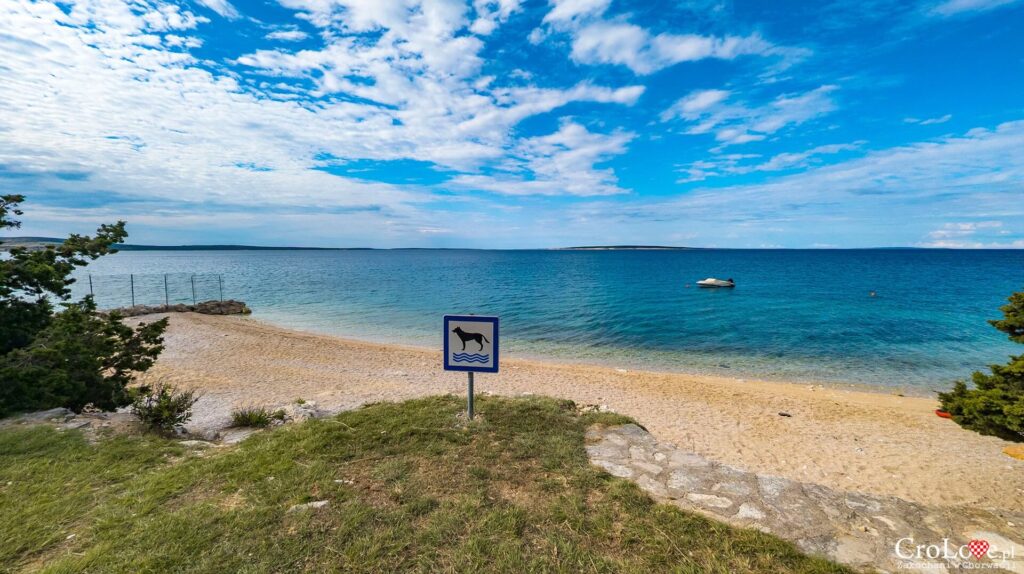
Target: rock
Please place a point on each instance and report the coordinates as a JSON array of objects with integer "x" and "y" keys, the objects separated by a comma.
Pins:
[
  {"x": 684, "y": 481},
  {"x": 732, "y": 488},
  {"x": 856, "y": 529},
  {"x": 632, "y": 430},
  {"x": 604, "y": 451},
  {"x": 309, "y": 506},
  {"x": 647, "y": 467},
  {"x": 652, "y": 486},
  {"x": 748, "y": 511},
  {"x": 855, "y": 551},
  {"x": 615, "y": 469},
  {"x": 229, "y": 307},
  {"x": 784, "y": 414},
  {"x": 709, "y": 500},
  {"x": 773, "y": 486},
  {"x": 300, "y": 412},
  {"x": 60, "y": 414},
  {"x": 680, "y": 458},
  {"x": 236, "y": 435}
]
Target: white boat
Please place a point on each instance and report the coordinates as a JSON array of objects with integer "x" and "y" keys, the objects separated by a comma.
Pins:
[{"x": 712, "y": 282}]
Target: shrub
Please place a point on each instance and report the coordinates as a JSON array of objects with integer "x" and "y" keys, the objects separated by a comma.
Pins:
[
  {"x": 161, "y": 407},
  {"x": 995, "y": 406},
  {"x": 257, "y": 417},
  {"x": 74, "y": 356}
]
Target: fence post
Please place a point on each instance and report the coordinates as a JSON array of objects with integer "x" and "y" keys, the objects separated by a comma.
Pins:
[
  {"x": 220, "y": 283},
  {"x": 131, "y": 278},
  {"x": 167, "y": 299},
  {"x": 91, "y": 294},
  {"x": 193, "y": 290}
]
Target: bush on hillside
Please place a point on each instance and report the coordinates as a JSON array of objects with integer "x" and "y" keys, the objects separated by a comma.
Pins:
[
  {"x": 72, "y": 356},
  {"x": 256, "y": 417},
  {"x": 995, "y": 406},
  {"x": 161, "y": 407}
]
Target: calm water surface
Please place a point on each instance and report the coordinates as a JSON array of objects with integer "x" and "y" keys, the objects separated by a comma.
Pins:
[{"x": 794, "y": 315}]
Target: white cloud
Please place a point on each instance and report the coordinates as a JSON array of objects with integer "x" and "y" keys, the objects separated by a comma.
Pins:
[
  {"x": 971, "y": 235},
  {"x": 222, "y": 7},
  {"x": 634, "y": 47},
  {"x": 105, "y": 100},
  {"x": 293, "y": 35},
  {"x": 491, "y": 14},
  {"x": 735, "y": 164},
  {"x": 979, "y": 176},
  {"x": 958, "y": 7},
  {"x": 694, "y": 103},
  {"x": 951, "y": 230},
  {"x": 557, "y": 164},
  {"x": 709, "y": 112},
  {"x": 600, "y": 40},
  {"x": 801, "y": 159},
  {"x": 929, "y": 121},
  {"x": 566, "y": 10}
]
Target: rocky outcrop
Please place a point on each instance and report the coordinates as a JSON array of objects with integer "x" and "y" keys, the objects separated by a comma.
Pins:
[
  {"x": 859, "y": 530},
  {"x": 91, "y": 422},
  {"x": 229, "y": 307}
]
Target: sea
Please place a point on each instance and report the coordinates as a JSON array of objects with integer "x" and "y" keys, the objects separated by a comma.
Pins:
[{"x": 905, "y": 320}]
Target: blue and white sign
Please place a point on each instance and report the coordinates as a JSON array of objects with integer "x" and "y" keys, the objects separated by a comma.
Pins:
[{"x": 471, "y": 343}]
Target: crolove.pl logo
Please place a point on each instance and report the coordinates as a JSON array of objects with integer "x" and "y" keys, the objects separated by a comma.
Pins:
[{"x": 965, "y": 555}]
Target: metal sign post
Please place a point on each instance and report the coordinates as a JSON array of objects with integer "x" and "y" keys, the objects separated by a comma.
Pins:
[{"x": 470, "y": 345}]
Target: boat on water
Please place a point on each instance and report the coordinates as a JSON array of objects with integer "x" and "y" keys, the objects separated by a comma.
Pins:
[{"x": 712, "y": 282}]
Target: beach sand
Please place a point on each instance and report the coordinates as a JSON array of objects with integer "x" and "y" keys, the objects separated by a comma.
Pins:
[{"x": 850, "y": 440}]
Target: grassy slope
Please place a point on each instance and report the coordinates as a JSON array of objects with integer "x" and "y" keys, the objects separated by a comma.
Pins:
[{"x": 511, "y": 493}]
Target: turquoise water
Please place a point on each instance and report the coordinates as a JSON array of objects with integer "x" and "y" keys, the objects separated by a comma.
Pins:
[{"x": 794, "y": 315}]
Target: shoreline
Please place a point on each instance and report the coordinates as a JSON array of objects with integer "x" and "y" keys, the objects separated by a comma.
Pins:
[
  {"x": 653, "y": 367},
  {"x": 853, "y": 440}
]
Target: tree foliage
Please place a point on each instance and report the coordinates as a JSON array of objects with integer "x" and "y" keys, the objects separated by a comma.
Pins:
[
  {"x": 995, "y": 406},
  {"x": 71, "y": 356}
]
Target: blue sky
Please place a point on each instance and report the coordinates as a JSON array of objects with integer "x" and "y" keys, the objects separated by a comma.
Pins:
[{"x": 515, "y": 123}]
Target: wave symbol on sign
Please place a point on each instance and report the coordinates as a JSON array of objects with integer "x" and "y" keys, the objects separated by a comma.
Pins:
[{"x": 470, "y": 358}]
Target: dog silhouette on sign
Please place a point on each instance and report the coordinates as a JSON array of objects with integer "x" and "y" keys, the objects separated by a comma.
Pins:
[{"x": 464, "y": 336}]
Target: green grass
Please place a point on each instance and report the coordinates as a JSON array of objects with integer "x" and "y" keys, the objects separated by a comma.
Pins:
[
  {"x": 411, "y": 488},
  {"x": 256, "y": 417}
]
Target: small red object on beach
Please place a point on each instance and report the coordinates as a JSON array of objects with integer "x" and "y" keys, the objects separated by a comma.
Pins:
[{"x": 943, "y": 414}]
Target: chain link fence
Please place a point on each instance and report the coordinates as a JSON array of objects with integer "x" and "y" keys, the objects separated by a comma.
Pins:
[{"x": 114, "y": 291}]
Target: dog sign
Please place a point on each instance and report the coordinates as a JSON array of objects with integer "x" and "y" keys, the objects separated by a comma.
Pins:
[{"x": 471, "y": 343}]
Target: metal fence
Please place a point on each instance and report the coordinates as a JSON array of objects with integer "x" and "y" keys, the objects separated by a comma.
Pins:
[{"x": 112, "y": 291}]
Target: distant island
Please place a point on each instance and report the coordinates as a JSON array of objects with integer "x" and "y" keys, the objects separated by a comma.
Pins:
[
  {"x": 7, "y": 243},
  {"x": 43, "y": 242}
]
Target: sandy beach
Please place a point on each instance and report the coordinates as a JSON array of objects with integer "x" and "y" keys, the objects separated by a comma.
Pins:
[{"x": 851, "y": 440}]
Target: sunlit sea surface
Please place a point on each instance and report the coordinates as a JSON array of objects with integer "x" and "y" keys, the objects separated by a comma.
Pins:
[{"x": 794, "y": 315}]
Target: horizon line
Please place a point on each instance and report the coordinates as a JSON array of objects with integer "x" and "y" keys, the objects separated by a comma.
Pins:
[{"x": 28, "y": 240}]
